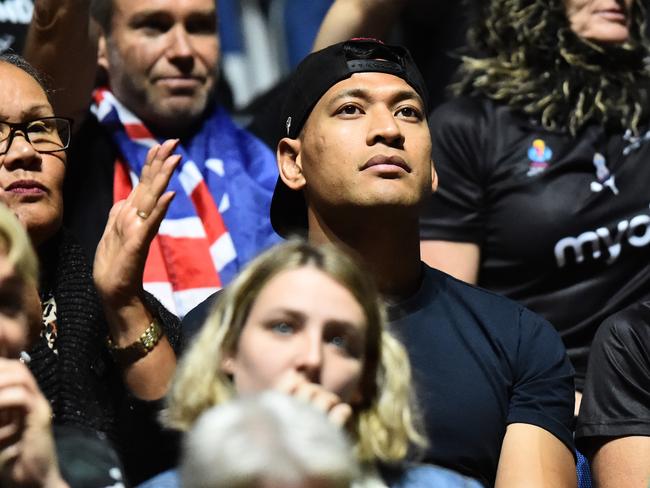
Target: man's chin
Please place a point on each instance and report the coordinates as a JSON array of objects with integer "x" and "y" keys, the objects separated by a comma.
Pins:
[{"x": 179, "y": 117}]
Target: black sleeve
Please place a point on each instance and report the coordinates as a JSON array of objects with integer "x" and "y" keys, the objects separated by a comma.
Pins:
[
  {"x": 147, "y": 447},
  {"x": 543, "y": 392},
  {"x": 455, "y": 211},
  {"x": 86, "y": 457},
  {"x": 194, "y": 319},
  {"x": 168, "y": 321},
  {"x": 616, "y": 399}
]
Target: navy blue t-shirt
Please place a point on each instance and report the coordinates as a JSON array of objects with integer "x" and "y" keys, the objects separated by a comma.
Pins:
[{"x": 480, "y": 362}]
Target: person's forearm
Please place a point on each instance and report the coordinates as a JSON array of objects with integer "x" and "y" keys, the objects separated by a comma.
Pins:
[
  {"x": 147, "y": 378},
  {"x": 357, "y": 18},
  {"x": 62, "y": 43}
]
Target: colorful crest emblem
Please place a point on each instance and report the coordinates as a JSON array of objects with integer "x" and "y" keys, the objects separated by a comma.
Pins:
[{"x": 539, "y": 155}]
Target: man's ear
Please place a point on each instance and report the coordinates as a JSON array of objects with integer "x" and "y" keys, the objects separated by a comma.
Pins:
[
  {"x": 434, "y": 178},
  {"x": 102, "y": 59},
  {"x": 290, "y": 163}
]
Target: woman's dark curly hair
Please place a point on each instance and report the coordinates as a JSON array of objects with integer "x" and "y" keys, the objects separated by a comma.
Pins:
[{"x": 524, "y": 54}]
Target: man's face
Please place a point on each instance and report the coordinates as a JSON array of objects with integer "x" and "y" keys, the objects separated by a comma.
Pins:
[
  {"x": 366, "y": 143},
  {"x": 161, "y": 57}
]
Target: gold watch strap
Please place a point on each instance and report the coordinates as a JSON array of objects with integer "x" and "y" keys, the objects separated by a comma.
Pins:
[{"x": 125, "y": 356}]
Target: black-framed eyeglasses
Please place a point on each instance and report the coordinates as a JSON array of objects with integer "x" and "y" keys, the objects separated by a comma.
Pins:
[{"x": 46, "y": 135}]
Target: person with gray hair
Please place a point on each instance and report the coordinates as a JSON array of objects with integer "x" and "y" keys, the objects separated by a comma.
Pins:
[{"x": 270, "y": 439}]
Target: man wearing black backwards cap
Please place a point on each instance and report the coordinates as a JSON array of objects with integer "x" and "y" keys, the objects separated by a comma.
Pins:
[{"x": 493, "y": 381}]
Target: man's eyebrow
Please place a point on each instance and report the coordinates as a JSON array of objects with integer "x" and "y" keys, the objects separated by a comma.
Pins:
[
  {"x": 351, "y": 93},
  {"x": 147, "y": 14},
  {"x": 164, "y": 14},
  {"x": 407, "y": 95},
  {"x": 365, "y": 94}
]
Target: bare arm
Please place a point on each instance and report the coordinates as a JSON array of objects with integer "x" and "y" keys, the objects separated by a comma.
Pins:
[
  {"x": 62, "y": 43},
  {"x": 357, "y": 18},
  {"x": 622, "y": 462},
  {"x": 531, "y": 457},
  {"x": 459, "y": 259}
]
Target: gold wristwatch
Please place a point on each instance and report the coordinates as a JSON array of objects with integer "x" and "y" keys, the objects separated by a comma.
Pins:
[{"x": 125, "y": 356}]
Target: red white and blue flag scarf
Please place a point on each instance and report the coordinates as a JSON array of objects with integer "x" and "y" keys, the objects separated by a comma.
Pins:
[{"x": 193, "y": 254}]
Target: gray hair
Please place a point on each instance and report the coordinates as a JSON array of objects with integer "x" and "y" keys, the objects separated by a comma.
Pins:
[{"x": 266, "y": 437}]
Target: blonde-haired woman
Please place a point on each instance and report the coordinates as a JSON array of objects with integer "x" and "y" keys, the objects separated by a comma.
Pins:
[
  {"x": 14, "y": 242},
  {"x": 19, "y": 281},
  {"x": 307, "y": 321}
]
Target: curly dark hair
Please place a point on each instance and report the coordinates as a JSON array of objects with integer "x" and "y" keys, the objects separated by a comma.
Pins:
[{"x": 526, "y": 56}]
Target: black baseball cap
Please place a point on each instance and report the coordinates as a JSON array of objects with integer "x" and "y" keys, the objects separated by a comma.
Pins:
[{"x": 316, "y": 74}]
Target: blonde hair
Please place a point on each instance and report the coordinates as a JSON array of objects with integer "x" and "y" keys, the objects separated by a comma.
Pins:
[
  {"x": 19, "y": 250},
  {"x": 382, "y": 427}
]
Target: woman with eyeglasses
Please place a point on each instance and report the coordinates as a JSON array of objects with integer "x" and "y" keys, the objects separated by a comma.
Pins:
[{"x": 104, "y": 353}]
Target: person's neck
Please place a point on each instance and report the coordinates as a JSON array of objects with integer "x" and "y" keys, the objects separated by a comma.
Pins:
[
  {"x": 182, "y": 132},
  {"x": 388, "y": 243},
  {"x": 183, "y": 128}
]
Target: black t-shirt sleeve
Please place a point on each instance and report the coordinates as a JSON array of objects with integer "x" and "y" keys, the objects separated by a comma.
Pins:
[
  {"x": 195, "y": 318},
  {"x": 543, "y": 389},
  {"x": 616, "y": 399},
  {"x": 455, "y": 211}
]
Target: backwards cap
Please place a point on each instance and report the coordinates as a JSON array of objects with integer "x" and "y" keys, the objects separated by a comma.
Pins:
[{"x": 316, "y": 74}]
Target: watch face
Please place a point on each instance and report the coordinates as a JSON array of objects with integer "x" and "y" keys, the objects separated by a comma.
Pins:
[
  {"x": 151, "y": 336},
  {"x": 138, "y": 349},
  {"x": 149, "y": 341}
]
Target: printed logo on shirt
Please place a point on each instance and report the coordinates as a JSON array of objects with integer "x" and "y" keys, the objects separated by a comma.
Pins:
[
  {"x": 605, "y": 179},
  {"x": 603, "y": 242},
  {"x": 539, "y": 154},
  {"x": 16, "y": 11}
]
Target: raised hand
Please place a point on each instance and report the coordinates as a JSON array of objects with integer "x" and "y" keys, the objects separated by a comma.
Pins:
[
  {"x": 132, "y": 225},
  {"x": 346, "y": 19},
  {"x": 27, "y": 454}
]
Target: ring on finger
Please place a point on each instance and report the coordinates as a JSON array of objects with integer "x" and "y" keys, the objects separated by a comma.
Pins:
[{"x": 142, "y": 214}]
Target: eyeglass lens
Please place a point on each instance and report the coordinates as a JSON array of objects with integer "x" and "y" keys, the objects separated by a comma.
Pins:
[{"x": 45, "y": 135}]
